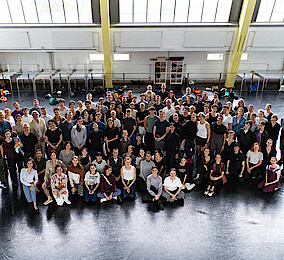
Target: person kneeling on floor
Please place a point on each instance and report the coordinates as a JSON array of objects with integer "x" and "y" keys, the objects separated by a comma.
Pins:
[
  {"x": 172, "y": 188},
  {"x": 217, "y": 175},
  {"x": 273, "y": 173},
  {"x": 58, "y": 183},
  {"x": 108, "y": 190}
]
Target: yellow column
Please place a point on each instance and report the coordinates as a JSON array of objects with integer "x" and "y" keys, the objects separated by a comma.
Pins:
[
  {"x": 104, "y": 9},
  {"x": 244, "y": 24}
]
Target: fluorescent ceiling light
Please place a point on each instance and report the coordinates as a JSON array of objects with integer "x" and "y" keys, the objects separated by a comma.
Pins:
[
  {"x": 96, "y": 56},
  {"x": 120, "y": 56},
  {"x": 244, "y": 56},
  {"x": 215, "y": 56}
]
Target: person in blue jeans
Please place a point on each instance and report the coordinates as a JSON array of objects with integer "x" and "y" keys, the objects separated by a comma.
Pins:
[
  {"x": 29, "y": 179},
  {"x": 128, "y": 178},
  {"x": 92, "y": 182}
]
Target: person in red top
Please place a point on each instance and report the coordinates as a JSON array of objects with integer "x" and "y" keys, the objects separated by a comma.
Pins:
[{"x": 108, "y": 190}]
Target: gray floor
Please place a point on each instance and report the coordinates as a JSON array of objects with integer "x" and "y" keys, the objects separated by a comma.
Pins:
[{"x": 239, "y": 222}]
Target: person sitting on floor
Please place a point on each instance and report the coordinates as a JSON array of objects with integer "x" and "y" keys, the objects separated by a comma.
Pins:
[
  {"x": 216, "y": 176},
  {"x": 58, "y": 183},
  {"x": 108, "y": 190},
  {"x": 273, "y": 173},
  {"x": 76, "y": 174},
  {"x": 128, "y": 178},
  {"x": 172, "y": 188},
  {"x": 92, "y": 182}
]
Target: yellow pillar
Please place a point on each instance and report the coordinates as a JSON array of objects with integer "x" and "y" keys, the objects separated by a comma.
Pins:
[
  {"x": 244, "y": 24},
  {"x": 105, "y": 25}
]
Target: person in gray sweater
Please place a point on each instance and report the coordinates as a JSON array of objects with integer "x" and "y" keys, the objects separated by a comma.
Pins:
[
  {"x": 78, "y": 136},
  {"x": 145, "y": 170}
]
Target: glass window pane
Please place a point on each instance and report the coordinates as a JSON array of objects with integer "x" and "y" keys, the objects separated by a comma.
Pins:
[
  {"x": 16, "y": 11},
  {"x": 181, "y": 11},
  {"x": 57, "y": 11},
  {"x": 278, "y": 12},
  {"x": 71, "y": 11},
  {"x": 125, "y": 11},
  {"x": 43, "y": 11},
  {"x": 140, "y": 11},
  {"x": 223, "y": 11},
  {"x": 195, "y": 10},
  {"x": 265, "y": 10},
  {"x": 168, "y": 8},
  {"x": 30, "y": 11},
  {"x": 154, "y": 9},
  {"x": 209, "y": 11},
  {"x": 85, "y": 11},
  {"x": 4, "y": 12}
]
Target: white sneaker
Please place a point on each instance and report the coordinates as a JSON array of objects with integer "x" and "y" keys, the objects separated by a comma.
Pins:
[
  {"x": 189, "y": 186},
  {"x": 206, "y": 192},
  {"x": 210, "y": 193},
  {"x": 103, "y": 200},
  {"x": 68, "y": 202},
  {"x": 115, "y": 198}
]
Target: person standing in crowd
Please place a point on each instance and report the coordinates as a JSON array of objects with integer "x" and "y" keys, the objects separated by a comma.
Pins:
[
  {"x": 26, "y": 117},
  {"x": 92, "y": 183},
  {"x": 124, "y": 142},
  {"x": 203, "y": 133},
  {"x": 172, "y": 146},
  {"x": 238, "y": 122},
  {"x": 57, "y": 117},
  {"x": 160, "y": 130},
  {"x": 145, "y": 170},
  {"x": 66, "y": 127},
  {"x": 4, "y": 125},
  {"x": 8, "y": 116},
  {"x": 17, "y": 110},
  {"x": 76, "y": 174},
  {"x": 273, "y": 129},
  {"x": 18, "y": 127},
  {"x": 53, "y": 138},
  {"x": 62, "y": 108},
  {"x": 111, "y": 134},
  {"x": 29, "y": 141},
  {"x": 45, "y": 116},
  {"x": 95, "y": 139},
  {"x": 149, "y": 127},
  {"x": 173, "y": 188},
  {"x": 141, "y": 115},
  {"x": 49, "y": 171},
  {"x": 67, "y": 154},
  {"x": 78, "y": 136},
  {"x": 99, "y": 162},
  {"x": 108, "y": 190},
  {"x": 268, "y": 152},
  {"x": 36, "y": 107},
  {"x": 246, "y": 137},
  {"x": 129, "y": 124},
  {"x": 267, "y": 113},
  {"x": 218, "y": 136},
  {"x": 168, "y": 109},
  {"x": 128, "y": 178},
  {"x": 261, "y": 135},
  {"x": 29, "y": 179},
  {"x": 38, "y": 127},
  {"x": 116, "y": 162},
  {"x": 58, "y": 183},
  {"x": 40, "y": 165},
  {"x": 227, "y": 118}
]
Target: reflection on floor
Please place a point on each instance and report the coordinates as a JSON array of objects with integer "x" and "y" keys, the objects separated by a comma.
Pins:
[{"x": 239, "y": 222}]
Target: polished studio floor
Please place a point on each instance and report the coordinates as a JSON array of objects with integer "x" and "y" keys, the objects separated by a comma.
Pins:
[{"x": 239, "y": 222}]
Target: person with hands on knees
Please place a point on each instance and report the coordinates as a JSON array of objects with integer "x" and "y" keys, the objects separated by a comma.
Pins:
[
  {"x": 92, "y": 182},
  {"x": 58, "y": 183},
  {"x": 108, "y": 190},
  {"x": 128, "y": 178},
  {"x": 29, "y": 179},
  {"x": 172, "y": 188}
]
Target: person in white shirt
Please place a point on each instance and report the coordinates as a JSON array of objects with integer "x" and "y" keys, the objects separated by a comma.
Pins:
[
  {"x": 8, "y": 116},
  {"x": 168, "y": 109},
  {"x": 92, "y": 182},
  {"x": 128, "y": 178},
  {"x": 46, "y": 117},
  {"x": 89, "y": 97},
  {"x": 227, "y": 118},
  {"x": 62, "y": 108},
  {"x": 172, "y": 188},
  {"x": 26, "y": 118},
  {"x": 29, "y": 179}
]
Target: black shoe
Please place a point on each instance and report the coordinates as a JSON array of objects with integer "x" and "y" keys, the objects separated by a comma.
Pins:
[
  {"x": 36, "y": 211},
  {"x": 180, "y": 202},
  {"x": 160, "y": 205},
  {"x": 119, "y": 200}
]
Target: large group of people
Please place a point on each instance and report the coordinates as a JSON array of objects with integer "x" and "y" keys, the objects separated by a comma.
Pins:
[{"x": 158, "y": 144}]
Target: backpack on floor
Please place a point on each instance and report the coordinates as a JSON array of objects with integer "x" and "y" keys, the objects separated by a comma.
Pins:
[{"x": 53, "y": 100}]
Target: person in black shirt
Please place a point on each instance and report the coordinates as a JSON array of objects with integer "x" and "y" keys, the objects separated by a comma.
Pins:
[
  {"x": 189, "y": 135},
  {"x": 111, "y": 134},
  {"x": 158, "y": 105},
  {"x": 218, "y": 136},
  {"x": 185, "y": 116},
  {"x": 29, "y": 141},
  {"x": 236, "y": 163},
  {"x": 124, "y": 104},
  {"x": 53, "y": 138},
  {"x": 89, "y": 109},
  {"x": 116, "y": 162},
  {"x": 199, "y": 105},
  {"x": 140, "y": 116},
  {"x": 273, "y": 129},
  {"x": 138, "y": 145},
  {"x": 161, "y": 128},
  {"x": 172, "y": 146},
  {"x": 185, "y": 173},
  {"x": 163, "y": 93},
  {"x": 177, "y": 124},
  {"x": 129, "y": 124},
  {"x": 96, "y": 138}
]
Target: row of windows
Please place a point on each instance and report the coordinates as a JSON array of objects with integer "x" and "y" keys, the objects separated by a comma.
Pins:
[{"x": 132, "y": 11}]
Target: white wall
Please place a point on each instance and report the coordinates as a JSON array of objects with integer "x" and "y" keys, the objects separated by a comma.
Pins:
[{"x": 71, "y": 48}]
